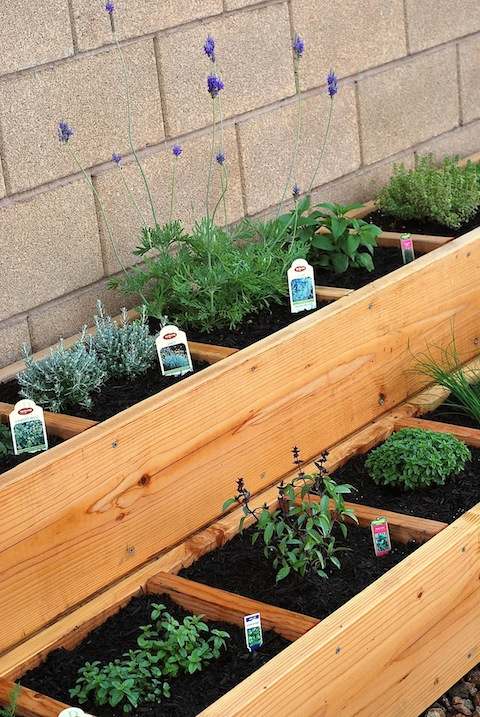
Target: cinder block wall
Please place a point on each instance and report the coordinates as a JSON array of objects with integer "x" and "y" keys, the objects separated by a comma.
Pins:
[{"x": 409, "y": 74}]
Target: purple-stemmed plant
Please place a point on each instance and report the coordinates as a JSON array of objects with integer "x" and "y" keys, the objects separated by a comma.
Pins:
[
  {"x": 332, "y": 89},
  {"x": 176, "y": 153}
]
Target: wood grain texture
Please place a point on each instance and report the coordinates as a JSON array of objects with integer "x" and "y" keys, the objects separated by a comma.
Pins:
[
  {"x": 331, "y": 293},
  {"x": 390, "y": 651},
  {"x": 422, "y": 243},
  {"x": 30, "y": 703},
  {"x": 92, "y": 510},
  {"x": 224, "y": 606},
  {"x": 470, "y": 436},
  {"x": 58, "y": 424}
]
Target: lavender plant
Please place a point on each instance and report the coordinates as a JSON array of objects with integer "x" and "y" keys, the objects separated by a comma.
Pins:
[
  {"x": 66, "y": 378},
  {"x": 124, "y": 350}
]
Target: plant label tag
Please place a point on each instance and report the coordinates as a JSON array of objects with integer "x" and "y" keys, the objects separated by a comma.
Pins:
[
  {"x": 173, "y": 352},
  {"x": 381, "y": 537},
  {"x": 73, "y": 712},
  {"x": 253, "y": 631},
  {"x": 301, "y": 286},
  {"x": 406, "y": 244},
  {"x": 27, "y": 425}
]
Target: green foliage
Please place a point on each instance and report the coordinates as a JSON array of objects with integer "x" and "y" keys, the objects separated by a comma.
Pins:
[
  {"x": 11, "y": 709},
  {"x": 414, "y": 458},
  {"x": 67, "y": 377},
  {"x": 210, "y": 278},
  {"x": 343, "y": 243},
  {"x": 126, "y": 350},
  {"x": 300, "y": 536},
  {"x": 6, "y": 444},
  {"x": 29, "y": 435},
  {"x": 447, "y": 194},
  {"x": 166, "y": 649}
]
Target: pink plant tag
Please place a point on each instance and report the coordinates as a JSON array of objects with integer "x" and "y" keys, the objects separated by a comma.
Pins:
[
  {"x": 381, "y": 537},
  {"x": 406, "y": 244}
]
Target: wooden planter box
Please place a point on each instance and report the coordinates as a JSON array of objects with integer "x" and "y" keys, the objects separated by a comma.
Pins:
[{"x": 88, "y": 524}]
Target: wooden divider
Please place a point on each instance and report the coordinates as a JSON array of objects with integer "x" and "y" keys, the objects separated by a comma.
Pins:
[
  {"x": 92, "y": 510},
  {"x": 470, "y": 436},
  {"x": 58, "y": 424},
  {"x": 30, "y": 703}
]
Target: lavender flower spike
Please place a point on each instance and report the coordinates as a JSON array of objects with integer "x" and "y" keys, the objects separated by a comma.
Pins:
[
  {"x": 215, "y": 84},
  {"x": 65, "y": 132},
  {"x": 295, "y": 191},
  {"x": 176, "y": 150},
  {"x": 209, "y": 48},
  {"x": 298, "y": 46},
  {"x": 220, "y": 157},
  {"x": 332, "y": 83},
  {"x": 116, "y": 158},
  {"x": 110, "y": 7}
]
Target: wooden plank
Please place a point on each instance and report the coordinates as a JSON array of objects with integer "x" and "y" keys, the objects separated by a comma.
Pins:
[
  {"x": 433, "y": 396},
  {"x": 209, "y": 352},
  {"x": 331, "y": 293},
  {"x": 88, "y": 514},
  {"x": 363, "y": 211},
  {"x": 216, "y": 604},
  {"x": 470, "y": 436},
  {"x": 58, "y": 424},
  {"x": 30, "y": 703},
  {"x": 422, "y": 242},
  {"x": 391, "y": 650}
]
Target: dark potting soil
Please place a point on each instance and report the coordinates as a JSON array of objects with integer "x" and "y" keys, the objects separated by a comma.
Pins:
[
  {"x": 446, "y": 413},
  {"x": 115, "y": 395},
  {"x": 445, "y": 503},
  {"x": 392, "y": 224},
  {"x": 386, "y": 260},
  {"x": 242, "y": 568},
  {"x": 10, "y": 460},
  {"x": 190, "y": 693},
  {"x": 256, "y": 327}
]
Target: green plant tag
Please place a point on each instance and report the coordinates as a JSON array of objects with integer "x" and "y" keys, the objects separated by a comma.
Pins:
[
  {"x": 27, "y": 425},
  {"x": 301, "y": 286},
  {"x": 253, "y": 631},
  {"x": 173, "y": 352},
  {"x": 381, "y": 537},
  {"x": 406, "y": 244}
]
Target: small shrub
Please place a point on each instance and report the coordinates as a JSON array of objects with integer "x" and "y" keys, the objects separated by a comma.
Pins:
[
  {"x": 414, "y": 458},
  {"x": 299, "y": 537},
  {"x": 126, "y": 350},
  {"x": 166, "y": 648},
  {"x": 68, "y": 377},
  {"x": 447, "y": 194},
  {"x": 6, "y": 444}
]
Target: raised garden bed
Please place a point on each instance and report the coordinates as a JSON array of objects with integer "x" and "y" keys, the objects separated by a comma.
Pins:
[{"x": 87, "y": 524}]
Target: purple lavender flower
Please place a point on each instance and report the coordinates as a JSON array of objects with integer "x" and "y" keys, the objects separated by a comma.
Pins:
[
  {"x": 295, "y": 191},
  {"x": 65, "y": 132},
  {"x": 220, "y": 157},
  {"x": 298, "y": 46},
  {"x": 176, "y": 150},
  {"x": 215, "y": 84},
  {"x": 332, "y": 83},
  {"x": 209, "y": 47},
  {"x": 110, "y": 7},
  {"x": 116, "y": 158}
]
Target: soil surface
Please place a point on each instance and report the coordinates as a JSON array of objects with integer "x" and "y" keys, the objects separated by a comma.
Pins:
[
  {"x": 445, "y": 503},
  {"x": 446, "y": 413},
  {"x": 190, "y": 693},
  {"x": 461, "y": 699},
  {"x": 10, "y": 461},
  {"x": 242, "y": 568},
  {"x": 115, "y": 395},
  {"x": 392, "y": 224}
]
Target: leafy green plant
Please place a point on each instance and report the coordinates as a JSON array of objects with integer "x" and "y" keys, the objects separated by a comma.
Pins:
[
  {"x": 166, "y": 648},
  {"x": 414, "y": 458},
  {"x": 29, "y": 435},
  {"x": 337, "y": 242},
  {"x": 124, "y": 350},
  {"x": 6, "y": 444},
  {"x": 11, "y": 708},
  {"x": 209, "y": 278},
  {"x": 299, "y": 535},
  {"x": 67, "y": 377},
  {"x": 448, "y": 194}
]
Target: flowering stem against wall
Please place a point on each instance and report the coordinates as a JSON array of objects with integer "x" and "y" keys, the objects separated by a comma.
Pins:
[
  {"x": 324, "y": 145},
  {"x": 130, "y": 195},
  {"x": 212, "y": 154}
]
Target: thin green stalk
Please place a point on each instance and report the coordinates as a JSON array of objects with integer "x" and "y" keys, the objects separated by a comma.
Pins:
[
  {"x": 298, "y": 132},
  {"x": 129, "y": 116},
  {"x": 132, "y": 198},
  {"x": 172, "y": 195},
  {"x": 225, "y": 172},
  {"x": 224, "y": 177},
  {"x": 322, "y": 152},
  {"x": 212, "y": 152}
]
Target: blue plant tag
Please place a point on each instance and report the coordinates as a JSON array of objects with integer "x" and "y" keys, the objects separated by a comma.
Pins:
[
  {"x": 253, "y": 631},
  {"x": 173, "y": 352},
  {"x": 301, "y": 286}
]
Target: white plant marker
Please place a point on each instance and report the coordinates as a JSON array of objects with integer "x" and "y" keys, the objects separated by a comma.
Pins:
[
  {"x": 301, "y": 286},
  {"x": 27, "y": 425},
  {"x": 406, "y": 244},
  {"x": 173, "y": 352},
  {"x": 253, "y": 631},
  {"x": 73, "y": 712},
  {"x": 381, "y": 537}
]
